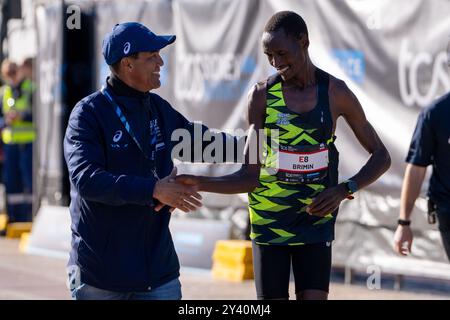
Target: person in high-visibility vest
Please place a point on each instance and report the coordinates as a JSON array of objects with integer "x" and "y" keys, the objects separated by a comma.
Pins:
[{"x": 17, "y": 136}]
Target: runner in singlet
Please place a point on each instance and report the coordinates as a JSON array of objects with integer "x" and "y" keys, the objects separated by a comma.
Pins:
[
  {"x": 294, "y": 194},
  {"x": 302, "y": 164}
]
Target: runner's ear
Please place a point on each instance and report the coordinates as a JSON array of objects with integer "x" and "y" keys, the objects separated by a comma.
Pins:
[{"x": 304, "y": 41}]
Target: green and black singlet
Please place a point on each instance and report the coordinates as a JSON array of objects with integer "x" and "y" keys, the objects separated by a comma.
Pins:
[{"x": 300, "y": 165}]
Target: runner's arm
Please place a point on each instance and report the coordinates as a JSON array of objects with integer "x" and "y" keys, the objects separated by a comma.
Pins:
[
  {"x": 346, "y": 104},
  {"x": 246, "y": 178}
]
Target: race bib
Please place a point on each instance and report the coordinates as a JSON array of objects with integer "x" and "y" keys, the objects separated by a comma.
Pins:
[{"x": 302, "y": 164}]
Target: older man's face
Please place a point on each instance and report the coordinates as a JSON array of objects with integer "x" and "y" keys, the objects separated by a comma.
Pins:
[{"x": 145, "y": 70}]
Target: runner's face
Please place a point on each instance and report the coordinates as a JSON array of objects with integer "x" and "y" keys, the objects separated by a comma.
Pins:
[
  {"x": 145, "y": 70},
  {"x": 285, "y": 53}
]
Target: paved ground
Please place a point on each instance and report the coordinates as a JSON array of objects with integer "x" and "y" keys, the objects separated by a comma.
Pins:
[{"x": 35, "y": 277}]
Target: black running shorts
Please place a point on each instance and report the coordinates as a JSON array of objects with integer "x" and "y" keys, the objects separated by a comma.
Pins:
[{"x": 311, "y": 265}]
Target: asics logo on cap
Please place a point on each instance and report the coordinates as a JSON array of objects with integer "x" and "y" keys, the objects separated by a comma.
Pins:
[{"x": 126, "y": 47}]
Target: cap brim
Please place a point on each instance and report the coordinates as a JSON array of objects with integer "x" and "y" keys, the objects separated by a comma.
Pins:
[{"x": 163, "y": 41}]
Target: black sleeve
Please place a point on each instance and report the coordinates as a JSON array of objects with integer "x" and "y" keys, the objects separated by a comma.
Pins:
[{"x": 423, "y": 142}]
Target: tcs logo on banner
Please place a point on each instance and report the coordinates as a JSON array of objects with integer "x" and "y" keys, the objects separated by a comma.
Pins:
[
  {"x": 352, "y": 62},
  {"x": 413, "y": 69}
]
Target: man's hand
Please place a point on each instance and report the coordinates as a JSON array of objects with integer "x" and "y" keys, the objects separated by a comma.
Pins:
[
  {"x": 185, "y": 179},
  {"x": 176, "y": 195},
  {"x": 327, "y": 201},
  {"x": 403, "y": 240}
]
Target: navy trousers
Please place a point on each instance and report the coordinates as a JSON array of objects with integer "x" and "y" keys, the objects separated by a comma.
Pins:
[{"x": 17, "y": 175}]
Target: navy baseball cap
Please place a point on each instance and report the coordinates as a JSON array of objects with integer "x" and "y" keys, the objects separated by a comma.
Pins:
[{"x": 130, "y": 37}]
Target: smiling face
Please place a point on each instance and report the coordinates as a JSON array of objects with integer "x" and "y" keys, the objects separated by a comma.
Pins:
[
  {"x": 286, "y": 53},
  {"x": 143, "y": 72}
]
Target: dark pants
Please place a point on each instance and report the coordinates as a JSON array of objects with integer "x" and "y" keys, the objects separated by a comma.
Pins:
[
  {"x": 311, "y": 266},
  {"x": 443, "y": 215},
  {"x": 17, "y": 175}
]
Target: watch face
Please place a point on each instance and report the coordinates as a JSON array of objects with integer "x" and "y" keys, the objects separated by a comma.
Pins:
[{"x": 352, "y": 186}]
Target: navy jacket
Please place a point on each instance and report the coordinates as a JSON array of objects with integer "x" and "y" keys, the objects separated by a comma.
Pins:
[{"x": 118, "y": 241}]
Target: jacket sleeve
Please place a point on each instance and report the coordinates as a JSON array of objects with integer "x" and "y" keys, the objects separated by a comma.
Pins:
[{"x": 85, "y": 158}]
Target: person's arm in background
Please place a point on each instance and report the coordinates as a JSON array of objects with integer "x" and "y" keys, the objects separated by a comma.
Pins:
[
  {"x": 86, "y": 162},
  {"x": 419, "y": 157},
  {"x": 412, "y": 183}
]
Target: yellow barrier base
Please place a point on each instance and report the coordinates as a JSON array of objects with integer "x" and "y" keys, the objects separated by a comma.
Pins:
[
  {"x": 15, "y": 230},
  {"x": 235, "y": 273},
  {"x": 24, "y": 238},
  {"x": 3, "y": 221},
  {"x": 232, "y": 260},
  {"x": 238, "y": 251}
]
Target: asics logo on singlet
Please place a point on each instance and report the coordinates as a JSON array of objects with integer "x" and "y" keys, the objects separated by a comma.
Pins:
[
  {"x": 283, "y": 119},
  {"x": 126, "y": 47},
  {"x": 117, "y": 136}
]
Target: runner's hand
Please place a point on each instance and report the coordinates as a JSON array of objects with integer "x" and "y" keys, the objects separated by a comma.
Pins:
[
  {"x": 187, "y": 179},
  {"x": 176, "y": 195},
  {"x": 327, "y": 201}
]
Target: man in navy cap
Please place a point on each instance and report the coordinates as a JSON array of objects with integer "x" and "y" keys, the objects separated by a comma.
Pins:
[{"x": 118, "y": 152}]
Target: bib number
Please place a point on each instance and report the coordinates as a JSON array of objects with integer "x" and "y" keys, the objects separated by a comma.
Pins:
[{"x": 302, "y": 164}]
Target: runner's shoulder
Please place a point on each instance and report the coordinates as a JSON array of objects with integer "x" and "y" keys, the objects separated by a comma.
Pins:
[
  {"x": 338, "y": 87},
  {"x": 340, "y": 94},
  {"x": 258, "y": 88},
  {"x": 257, "y": 95}
]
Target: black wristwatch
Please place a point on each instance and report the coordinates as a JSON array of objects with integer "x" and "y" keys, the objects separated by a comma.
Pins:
[
  {"x": 402, "y": 222},
  {"x": 351, "y": 187}
]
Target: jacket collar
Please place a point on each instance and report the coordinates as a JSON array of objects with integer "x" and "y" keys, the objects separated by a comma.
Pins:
[
  {"x": 128, "y": 98},
  {"x": 120, "y": 88}
]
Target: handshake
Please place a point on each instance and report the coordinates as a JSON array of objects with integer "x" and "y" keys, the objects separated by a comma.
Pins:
[{"x": 178, "y": 192}]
